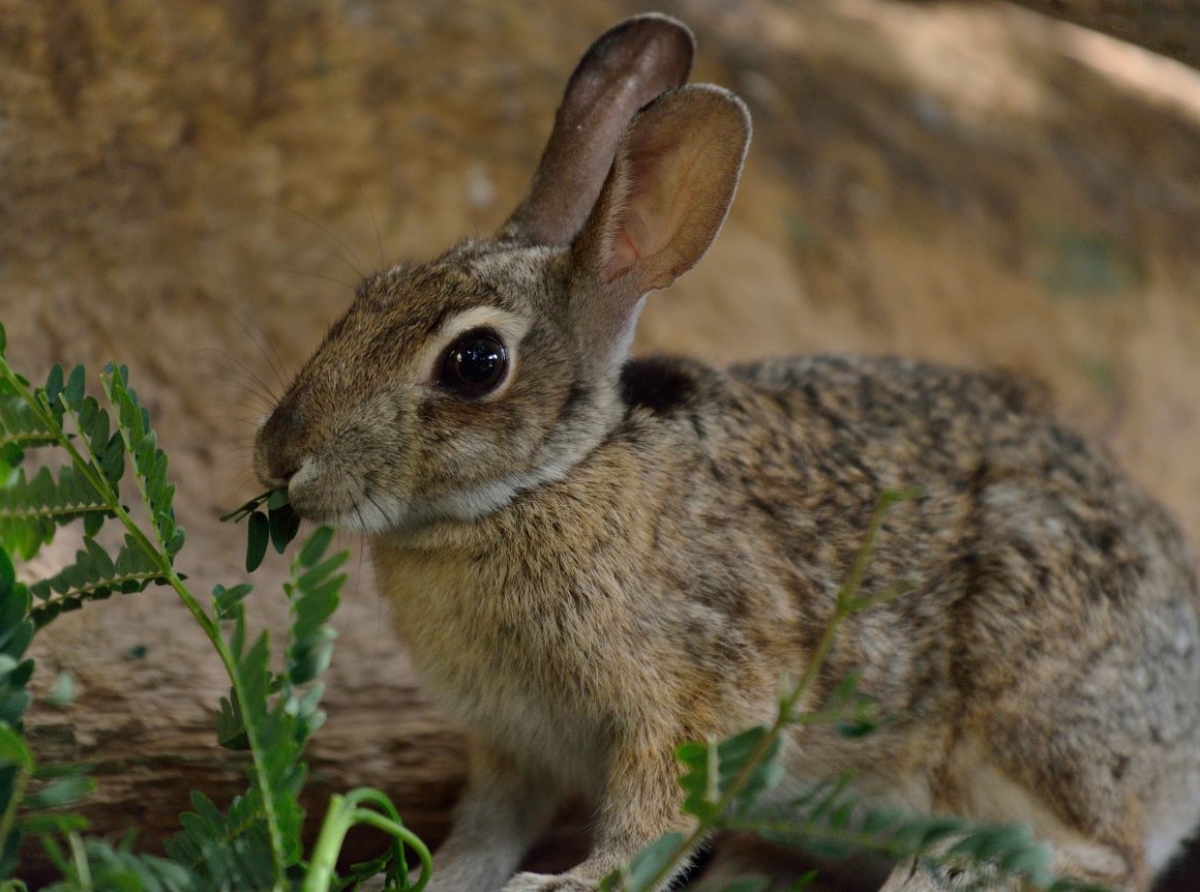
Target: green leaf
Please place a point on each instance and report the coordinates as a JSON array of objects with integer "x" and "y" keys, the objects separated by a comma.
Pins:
[
  {"x": 987, "y": 843},
  {"x": 259, "y": 533},
  {"x": 647, "y": 866},
  {"x": 284, "y": 524},
  {"x": 226, "y": 601},
  {"x": 231, "y": 727},
  {"x": 314, "y": 547},
  {"x": 856, "y": 729},
  {"x": 74, "y": 390},
  {"x": 804, "y": 881},
  {"x": 54, "y": 384},
  {"x": 62, "y": 792},
  {"x": 1034, "y": 861},
  {"x": 63, "y": 690},
  {"x": 13, "y": 750}
]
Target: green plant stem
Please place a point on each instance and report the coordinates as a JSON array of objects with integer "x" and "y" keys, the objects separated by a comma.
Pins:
[
  {"x": 212, "y": 629},
  {"x": 343, "y": 813},
  {"x": 55, "y": 513},
  {"x": 87, "y": 466},
  {"x": 79, "y": 856},
  {"x": 20, "y": 782}
]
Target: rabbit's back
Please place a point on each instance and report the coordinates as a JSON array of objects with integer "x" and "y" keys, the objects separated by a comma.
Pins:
[
  {"x": 1020, "y": 538},
  {"x": 1048, "y": 618}
]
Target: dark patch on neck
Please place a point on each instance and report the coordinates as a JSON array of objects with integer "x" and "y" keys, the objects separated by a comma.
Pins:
[{"x": 657, "y": 383}]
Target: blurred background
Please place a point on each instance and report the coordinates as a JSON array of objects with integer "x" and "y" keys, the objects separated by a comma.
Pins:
[{"x": 193, "y": 188}]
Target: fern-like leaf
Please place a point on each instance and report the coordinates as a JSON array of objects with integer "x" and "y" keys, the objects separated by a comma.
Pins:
[
  {"x": 273, "y": 716},
  {"x": 31, "y": 509},
  {"x": 95, "y": 576},
  {"x": 150, "y": 461},
  {"x": 118, "y": 868}
]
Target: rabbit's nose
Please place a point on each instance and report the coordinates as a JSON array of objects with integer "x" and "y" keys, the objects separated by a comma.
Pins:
[{"x": 279, "y": 449}]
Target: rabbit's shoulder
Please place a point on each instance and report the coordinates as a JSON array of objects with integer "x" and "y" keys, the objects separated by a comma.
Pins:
[{"x": 884, "y": 413}]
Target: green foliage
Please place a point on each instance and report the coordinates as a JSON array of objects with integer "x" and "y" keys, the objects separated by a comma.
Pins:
[
  {"x": 94, "y": 864},
  {"x": 254, "y": 844},
  {"x": 32, "y": 508},
  {"x": 272, "y": 715},
  {"x": 276, "y": 526}
]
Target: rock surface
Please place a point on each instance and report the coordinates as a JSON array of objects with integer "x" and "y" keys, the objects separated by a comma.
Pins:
[{"x": 193, "y": 189}]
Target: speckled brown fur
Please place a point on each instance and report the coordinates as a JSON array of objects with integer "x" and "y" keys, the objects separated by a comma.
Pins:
[{"x": 605, "y": 558}]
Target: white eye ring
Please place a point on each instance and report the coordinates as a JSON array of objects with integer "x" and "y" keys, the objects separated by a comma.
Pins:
[{"x": 505, "y": 327}]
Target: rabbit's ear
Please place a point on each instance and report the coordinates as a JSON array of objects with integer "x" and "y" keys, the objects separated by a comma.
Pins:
[
  {"x": 627, "y": 67},
  {"x": 672, "y": 181}
]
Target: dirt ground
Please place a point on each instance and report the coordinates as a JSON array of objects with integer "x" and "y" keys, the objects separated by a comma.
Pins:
[{"x": 194, "y": 188}]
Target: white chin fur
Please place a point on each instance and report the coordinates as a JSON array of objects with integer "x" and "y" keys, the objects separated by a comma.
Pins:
[
  {"x": 381, "y": 514},
  {"x": 366, "y": 518}
]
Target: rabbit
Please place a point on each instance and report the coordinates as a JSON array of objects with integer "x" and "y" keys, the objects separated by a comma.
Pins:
[{"x": 595, "y": 558}]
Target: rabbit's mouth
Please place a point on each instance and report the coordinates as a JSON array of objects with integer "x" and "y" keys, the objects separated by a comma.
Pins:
[
  {"x": 346, "y": 501},
  {"x": 354, "y": 502}
]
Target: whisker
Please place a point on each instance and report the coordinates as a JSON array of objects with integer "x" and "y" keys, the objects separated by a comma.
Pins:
[
  {"x": 357, "y": 262},
  {"x": 253, "y": 377},
  {"x": 362, "y": 547},
  {"x": 361, "y": 520},
  {"x": 250, "y": 385},
  {"x": 370, "y": 498},
  {"x": 262, "y": 349},
  {"x": 371, "y": 213},
  {"x": 305, "y": 272},
  {"x": 268, "y": 403},
  {"x": 232, "y": 451},
  {"x": 236, "y": 418}
]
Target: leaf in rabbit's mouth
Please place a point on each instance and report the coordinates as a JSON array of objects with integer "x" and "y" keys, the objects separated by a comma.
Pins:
[{"x": 277, "y": 525}]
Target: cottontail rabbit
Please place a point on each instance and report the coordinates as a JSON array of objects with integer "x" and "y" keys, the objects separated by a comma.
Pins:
[{"x": 594, "y": 558}]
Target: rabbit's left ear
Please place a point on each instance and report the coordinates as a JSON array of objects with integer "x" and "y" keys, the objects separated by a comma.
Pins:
[
  {"x": 670, "y": 187},
  {"x": 627, "y": 67}
]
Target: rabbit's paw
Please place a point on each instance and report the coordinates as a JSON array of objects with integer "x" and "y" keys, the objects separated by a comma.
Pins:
[{"x": 543, "y": 882}]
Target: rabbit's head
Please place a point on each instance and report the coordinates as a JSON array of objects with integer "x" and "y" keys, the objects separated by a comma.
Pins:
[{"x": 452, "y": 385}]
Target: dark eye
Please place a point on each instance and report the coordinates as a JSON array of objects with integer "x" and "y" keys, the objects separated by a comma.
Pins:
[{"x": 475, "y": 364}]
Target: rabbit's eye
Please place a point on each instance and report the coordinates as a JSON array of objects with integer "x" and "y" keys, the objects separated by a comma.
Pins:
[{"x": 475, "y": 364}]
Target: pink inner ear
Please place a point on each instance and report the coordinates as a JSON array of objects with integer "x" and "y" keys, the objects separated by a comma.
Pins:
[
  {"x": 668, "y": 190},
  {"x": 625, "y": 251},
  {"x": 654, "y": 213}
]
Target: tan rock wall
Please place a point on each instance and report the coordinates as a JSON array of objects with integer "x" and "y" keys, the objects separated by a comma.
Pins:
[{"x": 181, "y": 183}]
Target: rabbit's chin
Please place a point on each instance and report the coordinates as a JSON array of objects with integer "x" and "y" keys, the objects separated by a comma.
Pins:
[{"x": 381, "y": 513}]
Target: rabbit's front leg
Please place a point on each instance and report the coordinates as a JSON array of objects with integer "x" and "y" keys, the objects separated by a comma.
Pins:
[
  {"x": 640, "y": 802},
  {"x": 501, "y": 815}
]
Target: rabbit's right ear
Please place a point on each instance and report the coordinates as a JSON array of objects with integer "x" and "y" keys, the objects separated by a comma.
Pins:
[
  {"x": 672, "y": 181},
  {"x": 626, "y": 68}
]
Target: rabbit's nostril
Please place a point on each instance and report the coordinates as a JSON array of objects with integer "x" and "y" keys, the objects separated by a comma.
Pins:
[
  {"x": 280, "y": 450},
  {"x": 282, "y": 468}
]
